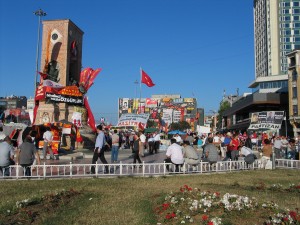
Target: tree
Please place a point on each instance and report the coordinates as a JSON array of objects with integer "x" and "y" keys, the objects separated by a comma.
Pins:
[
  {"x": 223, "y": 107},
  {"x": 182, "y": 125},
  {"x": 151, "y": 123}
]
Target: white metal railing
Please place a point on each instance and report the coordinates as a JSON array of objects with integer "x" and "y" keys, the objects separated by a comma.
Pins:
[{"x": 128, "y": 169}]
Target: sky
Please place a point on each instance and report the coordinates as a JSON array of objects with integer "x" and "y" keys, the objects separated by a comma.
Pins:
[{"x": 194, "y": 48}]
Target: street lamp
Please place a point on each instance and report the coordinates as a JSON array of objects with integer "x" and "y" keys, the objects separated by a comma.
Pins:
[
  {"x": 38, "y": 13},
  {"x": 136, "y": 86}
]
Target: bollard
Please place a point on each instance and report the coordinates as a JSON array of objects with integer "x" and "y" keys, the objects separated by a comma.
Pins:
[{"x": 273, "y": 159}]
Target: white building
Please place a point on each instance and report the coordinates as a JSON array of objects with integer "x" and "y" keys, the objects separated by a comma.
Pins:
[{"x": 276, "y": 33}]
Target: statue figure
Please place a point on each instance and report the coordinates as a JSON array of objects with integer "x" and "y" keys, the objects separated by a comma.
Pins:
[{"x": 53, "y": 71}]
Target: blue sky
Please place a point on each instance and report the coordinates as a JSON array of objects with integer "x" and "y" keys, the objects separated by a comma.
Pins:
[{"x": 194, "y": 48}]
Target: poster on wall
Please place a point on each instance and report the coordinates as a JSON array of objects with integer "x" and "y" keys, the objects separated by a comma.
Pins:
[
  {"x": 266, "y": 120},
  {"x": 167, "y": 116}
]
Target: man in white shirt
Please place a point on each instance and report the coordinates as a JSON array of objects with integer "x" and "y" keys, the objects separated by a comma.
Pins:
[
  {"x": 156, "y": 142},
  {"x": 178, "y": 138},
  {"x": 277, "y": 147},
  {"x": 48, "y": 137},
  {"x": 143, "y": 142},
  {"x": 174, "y": 155}
]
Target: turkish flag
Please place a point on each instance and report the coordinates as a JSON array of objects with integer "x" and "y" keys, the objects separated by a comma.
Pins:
[{"x": 146, "y": 79}]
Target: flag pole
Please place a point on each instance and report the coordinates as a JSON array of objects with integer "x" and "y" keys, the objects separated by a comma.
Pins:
[{"x": 140, "y": 88}]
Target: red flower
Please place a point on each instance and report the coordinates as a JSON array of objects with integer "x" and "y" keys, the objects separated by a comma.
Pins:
[
  {"x": 165, "y": 206},
  {"x": 285, "y": 219},
  {"x": 293, "y": 214},
  {"x": 210, "y": 223},
  {"x": 170, "y": 215},
  {"x": 205, "y": 217}
]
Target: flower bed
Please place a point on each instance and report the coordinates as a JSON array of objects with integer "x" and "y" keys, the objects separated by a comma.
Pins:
[{"x": 193, "y": 206}]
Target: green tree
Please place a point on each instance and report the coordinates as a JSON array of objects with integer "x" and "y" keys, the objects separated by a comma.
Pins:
[
  {"x": 223, "y": 107},
  {"x": 151, "y": 123},
  {"x": 182, "y": 125}
]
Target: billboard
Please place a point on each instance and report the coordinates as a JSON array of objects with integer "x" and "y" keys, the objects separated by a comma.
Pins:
[
  {"x": 266, "y": 120},
  {"x": 138, "y": 120}
]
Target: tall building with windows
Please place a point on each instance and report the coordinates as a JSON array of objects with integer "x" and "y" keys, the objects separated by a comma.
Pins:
[{"x": 276, "y": 33}]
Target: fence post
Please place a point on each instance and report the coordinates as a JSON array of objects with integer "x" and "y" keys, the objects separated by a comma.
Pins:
[
  {"x": 201, "y": 166},
  {"x": 17, "y": 171},
  {"x": 121, "y": 168},
  {"x": 230, "y": 165},
  {"x": 143, "y": 168},
  {"x": 164, "y": 167},
  {"x": 71, "y": 169},
  {"x": 96, "y": 169},
  {"x": 273, "y": 159},
  {"x": 44, "y": 170}
]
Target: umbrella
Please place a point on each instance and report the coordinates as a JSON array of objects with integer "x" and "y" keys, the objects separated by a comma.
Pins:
[
  {"x": 176, "y": 132},
  {"x": 150, "y": 130}
]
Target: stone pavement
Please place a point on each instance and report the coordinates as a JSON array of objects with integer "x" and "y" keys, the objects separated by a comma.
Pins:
[{"x": 84, "y": 156}]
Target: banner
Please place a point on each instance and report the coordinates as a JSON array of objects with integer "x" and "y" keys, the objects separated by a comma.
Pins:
[
  {"x": 266, "y": 120},
  {"x": 64, "y": 98},
  {"x": 133, "y": 120},
  {"x": 167, "y": 116},
  {"x": 151, "y": 103}
]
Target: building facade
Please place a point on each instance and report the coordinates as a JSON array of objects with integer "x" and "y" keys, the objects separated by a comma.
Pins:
[
  {"x": 294, "y": 90},
  {"x": 276, "y": 33},
  {"x": 164, "y": 109}
]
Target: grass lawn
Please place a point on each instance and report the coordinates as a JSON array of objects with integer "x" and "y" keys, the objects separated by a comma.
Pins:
[{"x": 133, "y": 200}]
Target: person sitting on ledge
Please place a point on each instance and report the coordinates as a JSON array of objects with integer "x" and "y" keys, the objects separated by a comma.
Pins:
[{"x": 174, "y": 155}]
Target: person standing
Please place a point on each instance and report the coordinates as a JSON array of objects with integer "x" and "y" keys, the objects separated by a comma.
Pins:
[
  {"x": 6, "y": 155},
  {"x": 26, "y": 155},
  {"x": 284, "y": 146},
  {"x": 266, "y": 152},
  {"x": 142, "y": 143},
  {"x": 99, "y": 150},
  {"x": 151, "y": 144},
  {"x": 156, "y": 142},
  {"x": 277, "y": 147},
  {"x": 136, "y": 148},
  {"x": 115, "y": 147},
  {"x": 174, "y": 155},
  {"x": 48, "y": 137},
  {"x": 234, "y": 146}
]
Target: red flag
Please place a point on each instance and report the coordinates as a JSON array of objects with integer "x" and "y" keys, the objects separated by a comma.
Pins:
[
  {"x": 91, "y": 119},
  {"x": 87, "y": 77},
  {"x": 146, "y": 79}
]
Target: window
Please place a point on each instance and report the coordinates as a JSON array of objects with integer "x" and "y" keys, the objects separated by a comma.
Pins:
[
  {"x": 296, "y": 18},
  {"x": 294, "y": 92},
  {"x": 286, "y": 4},
  {"x": 296, "y": 4},
  {"x": 295, "y": 110},
  {"x": 296, "y": 11},
  {"x": 297, "y": 32},
  {"x": 294, "y": 75}
]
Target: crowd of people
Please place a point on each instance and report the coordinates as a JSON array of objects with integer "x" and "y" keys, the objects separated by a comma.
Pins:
[{"x": 190, "y": 148}]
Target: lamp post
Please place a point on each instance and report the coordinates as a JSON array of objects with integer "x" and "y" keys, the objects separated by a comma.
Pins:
[
  {"x": 136, "y": 86},
  {"x": 38, "y": 13}
]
